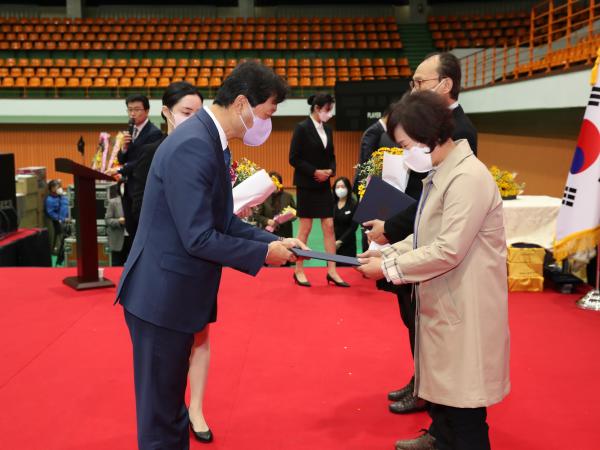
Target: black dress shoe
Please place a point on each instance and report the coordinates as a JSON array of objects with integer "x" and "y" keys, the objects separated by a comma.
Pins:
[
  {"x": 408, "y": 404},
  {"x": 205, "y": 437},
  {"x": 423, "y": 442},
  {"x": 330, "y": 279},
  {"x": 407, "y": 390},
  {"x": 301, "y": 283}
]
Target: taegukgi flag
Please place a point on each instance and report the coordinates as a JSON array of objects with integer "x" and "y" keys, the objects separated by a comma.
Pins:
[{"x": 578, "y": 223}]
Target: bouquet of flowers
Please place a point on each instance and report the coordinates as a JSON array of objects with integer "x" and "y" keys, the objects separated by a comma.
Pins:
[
  {"x": 105, "y": 159},
  {"x": 374, "y": 166},
  {"x": 509, "y": 188},
  {"x": 251, "y": 184},
  {"x": 288, "y": 213}
]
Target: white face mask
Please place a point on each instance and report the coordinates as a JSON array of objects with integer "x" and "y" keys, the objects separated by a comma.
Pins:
[
  {"x": 324, "y": 116},
  {"x": 178, "y": 119},
  {"x": 259, "y": 132},
  {"x": 418, "y": 159},
  {"x": 341, "y": 192},
  {"x": 60, "y": 191}
]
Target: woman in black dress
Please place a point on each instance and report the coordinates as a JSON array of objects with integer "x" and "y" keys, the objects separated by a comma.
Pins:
[
  {"x": 313, "y": 158},
  {"x": 344, "y": 226}
]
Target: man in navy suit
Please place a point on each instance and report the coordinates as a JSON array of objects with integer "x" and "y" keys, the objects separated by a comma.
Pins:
[
  {"x": 142, "y": 132},
  {"x": 187, "y": 233}
]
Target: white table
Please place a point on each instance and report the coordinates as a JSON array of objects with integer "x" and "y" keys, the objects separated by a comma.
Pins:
[{"x": 531, "y": 219}]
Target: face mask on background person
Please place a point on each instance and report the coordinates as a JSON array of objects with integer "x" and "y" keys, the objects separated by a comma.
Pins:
[
  {"x": 178, "y": 119},
  {"x": 324, "y": 116},
  {"x": 60, "y": 191},
  {"x": 418, "y": 159},
  {"x": 259, "y": 132},
  {"x": 341, "y": 192}
]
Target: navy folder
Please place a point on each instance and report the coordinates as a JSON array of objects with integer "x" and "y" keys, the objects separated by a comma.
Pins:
[
  {"x": 309, "y": 254},
  {"x": 381, "y": 201}
]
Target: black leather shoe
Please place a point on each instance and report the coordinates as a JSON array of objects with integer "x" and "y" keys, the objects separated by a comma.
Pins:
[
  {"x": 205, "y": 437},
  {"x": 342, "y": 283},
  {"x": 423, "y": 442},
  {"x": 407, "y": 390},
  {"x": 301, "y": 283},
  {"x": 408, "y": 404}
]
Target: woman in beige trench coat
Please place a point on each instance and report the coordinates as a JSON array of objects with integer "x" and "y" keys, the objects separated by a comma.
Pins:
[{"x": 457, "y": 255}]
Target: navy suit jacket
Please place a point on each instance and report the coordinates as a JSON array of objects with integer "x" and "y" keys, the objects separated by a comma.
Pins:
[{"x": 187, "y": 232}]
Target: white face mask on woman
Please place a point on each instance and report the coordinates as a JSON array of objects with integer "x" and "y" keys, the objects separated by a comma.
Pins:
[
  {"x": 341, "y": 192},
  {"x": 418, "y": 159},
  {"x": 178, "y": 119},
  {"x": 324, "y": 116}
]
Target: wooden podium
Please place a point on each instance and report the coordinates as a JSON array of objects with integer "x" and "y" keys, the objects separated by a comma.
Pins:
[{"x": 85, "y": 230}]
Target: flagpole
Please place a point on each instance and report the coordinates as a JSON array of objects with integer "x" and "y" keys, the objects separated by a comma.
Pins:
[{"x": 591, "y": 300}]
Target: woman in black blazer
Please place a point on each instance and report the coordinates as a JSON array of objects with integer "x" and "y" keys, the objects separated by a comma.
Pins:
[
  {"x": 345, "y": 228},
  {"x": 313, "y": 158}
]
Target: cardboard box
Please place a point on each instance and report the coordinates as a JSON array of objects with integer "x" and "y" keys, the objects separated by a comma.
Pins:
[
  {"x": 526, "y": 284},
  {"x": 29, "y": 219},
  {"x": 522, "y": 269},
  {"x": 526, "y": 255},
  {"x": 32, "y": 202},
  {"x": 20, "y": 204},
  {"x": 39, "y": 172},
  {"x": 26, "y": 184}
]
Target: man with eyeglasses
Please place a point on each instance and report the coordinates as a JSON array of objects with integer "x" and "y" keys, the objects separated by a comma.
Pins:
[
  {"x": 440, "y": 73},
  {"x": 141, "y": 132}
]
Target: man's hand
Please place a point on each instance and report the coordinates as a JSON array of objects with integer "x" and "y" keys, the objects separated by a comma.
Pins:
[
  {"x": 126, "y": 141},
  {"x": 293, "y": 242},
  {"x": 370, "y": 254},
  {"x": 246, "y": 212},
  {"x": 321, "y": 175},
  {"x": 122, "y": 220},
  {"x": 371, "y": 267},
  {"x": 113, "y": 171},
  {"x": 278, "y": 254},
  {"x": 376, "y": 233}
]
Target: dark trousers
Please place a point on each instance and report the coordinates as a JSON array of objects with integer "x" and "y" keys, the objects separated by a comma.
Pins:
[
  {"x": 459, "y": 428},
  {"x": 407, "y": 311},
  {"x": 119, "y": 258},
  {"x": 160, "y": 366}
]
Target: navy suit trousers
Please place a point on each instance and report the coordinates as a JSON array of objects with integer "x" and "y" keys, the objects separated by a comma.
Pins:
[{"x": 160, "y": 365}]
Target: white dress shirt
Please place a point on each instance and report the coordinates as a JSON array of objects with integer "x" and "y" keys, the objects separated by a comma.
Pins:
[
  {"x": 222, "y": 134},
  {"x": 320, "y": 130},
  {"x": 139, "y": 129}
]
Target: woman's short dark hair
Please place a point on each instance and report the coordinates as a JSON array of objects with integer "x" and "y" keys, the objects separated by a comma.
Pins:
[
  {"x": 320, "y": 99},
  {"x": 348, "y": 185},
  {"x": 176, "y": 91},
  {"x": 276, "y": 175},
  {"x": 424, "y": 116},
  {"x": 254, "y": 81},
  {"x": 52, "y": 184},
  {"x": 138, "y": 98}
]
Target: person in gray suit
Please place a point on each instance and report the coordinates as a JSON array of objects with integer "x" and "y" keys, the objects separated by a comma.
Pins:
[{"x": 116, "y": 232}]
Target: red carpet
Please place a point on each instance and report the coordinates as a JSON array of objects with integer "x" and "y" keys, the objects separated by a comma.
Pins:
[{"x": 292, "y": 368}]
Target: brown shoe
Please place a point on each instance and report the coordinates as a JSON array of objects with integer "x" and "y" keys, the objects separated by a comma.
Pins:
[
  {"x": 407, "y": 390},
  {"x": 423, "y": 442},
  {"x": 408, "y": 404}
]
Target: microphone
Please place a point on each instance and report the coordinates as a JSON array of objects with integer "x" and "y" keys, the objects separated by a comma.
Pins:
[{"x": 131, "y": 124}]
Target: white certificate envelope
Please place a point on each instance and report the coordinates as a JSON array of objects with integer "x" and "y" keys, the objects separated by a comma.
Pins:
[
  {"x": 253, "y": 191},
  {"x": 395, "y": 171}
]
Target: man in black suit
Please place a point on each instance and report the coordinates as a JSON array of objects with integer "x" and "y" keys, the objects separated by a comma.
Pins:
[
  {"x": 441, "y": 73},
  {"x": 142, "y": 132}
]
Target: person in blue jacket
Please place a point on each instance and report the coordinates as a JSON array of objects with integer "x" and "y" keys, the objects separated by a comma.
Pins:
[
  {"x": 186, "y": 234},
  {"x": 57, "y": 209}
]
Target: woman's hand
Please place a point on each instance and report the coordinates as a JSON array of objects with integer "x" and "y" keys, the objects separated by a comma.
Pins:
[
  {"x": 321, "y": 175},
  {"x": 338, "y": 244},
  {"x": 371, "y": 267}
]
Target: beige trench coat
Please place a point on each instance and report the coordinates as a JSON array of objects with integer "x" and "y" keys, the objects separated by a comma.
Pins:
[{"x": 463, "y": 343}]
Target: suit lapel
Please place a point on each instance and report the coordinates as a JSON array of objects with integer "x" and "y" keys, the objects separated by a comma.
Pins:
[
  {"x": 314, "y": 133},
  {"x": 214, "y": 134}
]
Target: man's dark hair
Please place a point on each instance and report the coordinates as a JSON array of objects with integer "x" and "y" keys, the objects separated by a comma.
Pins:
[
  {"x": 176, "y": 91},
  {"x": 449, "y": 67},
  {"x": 138, "y": 98},
  {"x": 424, "y": 116},
  {"x": 320, "y": 99},
  {"x": 254, "y": 81}
]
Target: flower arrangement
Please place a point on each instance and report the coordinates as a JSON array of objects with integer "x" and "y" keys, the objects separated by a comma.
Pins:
[
  {"x": 373, "y": 166},
  {"x": 251, "y": 184},
  {"x": 276, "y": 182},
  {"x": 242, "y": 170},
  {"x": 287, "y": 214},
  {"x": 104, "y": 159},
  {"x": 509, "y": 188}
]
